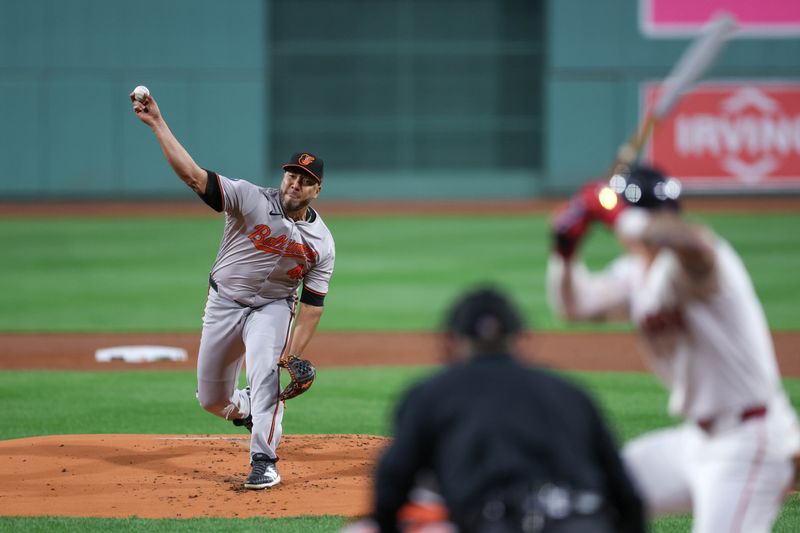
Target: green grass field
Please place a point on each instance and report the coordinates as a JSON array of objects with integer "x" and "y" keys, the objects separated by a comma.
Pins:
[
  {"x": 393, "y": 273},
  {"x": 157, "y": 402}
]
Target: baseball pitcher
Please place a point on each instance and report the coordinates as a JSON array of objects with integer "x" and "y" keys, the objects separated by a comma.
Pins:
[
  {"x": 705, "y": 336},
  {"x": 272, "y": 243}
]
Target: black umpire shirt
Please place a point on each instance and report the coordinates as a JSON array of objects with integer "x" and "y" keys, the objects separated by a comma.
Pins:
[{"x": 491, "y": 423}]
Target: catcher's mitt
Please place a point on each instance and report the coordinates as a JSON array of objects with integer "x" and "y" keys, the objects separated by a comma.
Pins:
[{"x": 302, "y": 374}]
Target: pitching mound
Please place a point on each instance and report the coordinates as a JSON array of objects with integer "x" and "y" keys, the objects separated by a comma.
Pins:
[{"x": 183, "y": 476}]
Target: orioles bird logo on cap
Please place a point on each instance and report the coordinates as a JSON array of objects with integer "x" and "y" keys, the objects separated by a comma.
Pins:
[{"x": 305, "y": 159}]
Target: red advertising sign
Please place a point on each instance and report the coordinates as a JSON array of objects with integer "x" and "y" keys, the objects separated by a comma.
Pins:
[
  {"x": 730, "y": 136},
  {"x": 764, "y": 18}
]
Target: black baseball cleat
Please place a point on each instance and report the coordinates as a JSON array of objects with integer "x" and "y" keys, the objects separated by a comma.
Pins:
[
  {"x": 244, "y": 422},
  {"x": 265, "y": 473}
]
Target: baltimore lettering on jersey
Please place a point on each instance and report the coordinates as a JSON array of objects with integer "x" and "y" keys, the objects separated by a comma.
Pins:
[{"x": 281, "y": 245}]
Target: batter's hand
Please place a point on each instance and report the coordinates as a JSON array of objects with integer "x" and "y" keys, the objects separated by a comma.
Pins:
[
  {"x": 594, "y": 202},
  {"x": 147, "y": 110},
  {"x": 602, "y": 203},
  {"x": 569, "y": 227}
]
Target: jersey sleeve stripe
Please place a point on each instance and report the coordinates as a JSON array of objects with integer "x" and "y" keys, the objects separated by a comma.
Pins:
[
  {"x": 314, "y": 299},
  {"x": 221, "y": 189},
  {"x": 318, "y": 293},
  {"x": 213, "y": 196}
]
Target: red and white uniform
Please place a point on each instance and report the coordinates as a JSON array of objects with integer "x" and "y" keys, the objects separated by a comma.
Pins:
[{"x": 730, "y": 461}]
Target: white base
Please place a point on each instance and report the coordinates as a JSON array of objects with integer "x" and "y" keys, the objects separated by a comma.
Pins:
[{"x": 140, "y": 354}]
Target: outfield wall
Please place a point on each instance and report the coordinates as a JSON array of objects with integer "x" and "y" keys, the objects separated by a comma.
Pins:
[{"x": 418, "y": 99}]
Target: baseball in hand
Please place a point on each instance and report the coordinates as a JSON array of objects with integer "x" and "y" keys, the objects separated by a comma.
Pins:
[{"x": 140, "y": 93}]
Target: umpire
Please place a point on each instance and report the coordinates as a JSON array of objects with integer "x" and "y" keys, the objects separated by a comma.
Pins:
[{"x": 512, "y": 448}]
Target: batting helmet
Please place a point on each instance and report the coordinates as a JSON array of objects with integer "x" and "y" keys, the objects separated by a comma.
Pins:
[{"x": 647, "y": 187}]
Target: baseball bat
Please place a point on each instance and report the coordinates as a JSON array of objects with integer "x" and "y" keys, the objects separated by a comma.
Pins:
[{"x": 694, "y": 62}]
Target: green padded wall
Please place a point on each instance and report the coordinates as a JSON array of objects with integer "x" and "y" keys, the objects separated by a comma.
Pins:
[
  {"x": 411, "y": 98},
  {"x": 402, "y": 98},
  {"x": 66, "y": 69}
]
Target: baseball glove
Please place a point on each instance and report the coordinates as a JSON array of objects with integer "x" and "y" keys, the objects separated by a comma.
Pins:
[{"x": 302, "y": 374}]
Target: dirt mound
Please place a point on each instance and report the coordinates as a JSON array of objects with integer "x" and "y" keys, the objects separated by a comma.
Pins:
[{"x": 183, "y": 476}]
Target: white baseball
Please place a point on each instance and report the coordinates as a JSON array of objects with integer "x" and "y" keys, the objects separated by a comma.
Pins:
[{"x": 140, "y": 93}]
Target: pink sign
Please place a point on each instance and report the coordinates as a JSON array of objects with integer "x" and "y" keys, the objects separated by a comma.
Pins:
[
  {"x": 739, "y": 135},
  {"x": 772, "y": 18}
]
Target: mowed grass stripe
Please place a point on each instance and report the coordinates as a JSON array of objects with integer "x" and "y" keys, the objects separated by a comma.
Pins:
[
  {"x": 392, "y": 273},
  {"x": 323, "y": 524},
  {"x": 343, "y": 400}
]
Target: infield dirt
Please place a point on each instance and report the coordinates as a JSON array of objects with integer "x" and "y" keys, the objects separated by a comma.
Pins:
[{"x": 182, "y": 476}]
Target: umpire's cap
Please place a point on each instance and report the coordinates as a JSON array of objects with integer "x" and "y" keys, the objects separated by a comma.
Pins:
[
  {"x": 306, "y": 162},
  {"x": 484, "y": 315},
  {"x": 647, "y": 187}
]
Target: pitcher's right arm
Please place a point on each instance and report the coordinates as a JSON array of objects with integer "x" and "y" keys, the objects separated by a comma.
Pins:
[{"x": 177, "y": 156}]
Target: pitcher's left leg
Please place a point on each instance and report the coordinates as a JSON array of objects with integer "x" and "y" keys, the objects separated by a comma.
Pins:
[{"x": 265, "y": 336}]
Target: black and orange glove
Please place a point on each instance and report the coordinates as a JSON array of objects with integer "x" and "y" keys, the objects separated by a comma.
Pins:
[{"x": 302, "y": 374}]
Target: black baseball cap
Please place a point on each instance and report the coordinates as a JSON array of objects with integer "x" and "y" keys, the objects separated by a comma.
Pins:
[
  {"x": 307, "y": 162},
  {"x": 484, "y": 314}
]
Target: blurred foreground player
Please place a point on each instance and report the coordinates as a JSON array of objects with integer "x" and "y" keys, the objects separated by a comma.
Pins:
[
  {"x": 705, "y": 336},
  {"x": 511, "y": 448}
]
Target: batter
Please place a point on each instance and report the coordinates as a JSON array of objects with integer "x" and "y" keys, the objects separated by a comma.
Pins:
[
  {"x": 273, "y": 242},
  {"x": 705, "y": 336}
]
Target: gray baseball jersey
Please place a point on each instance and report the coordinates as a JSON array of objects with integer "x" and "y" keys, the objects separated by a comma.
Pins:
[
  {"x": 264, "y": 255},
  {"x": 263, "y": 258}
]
